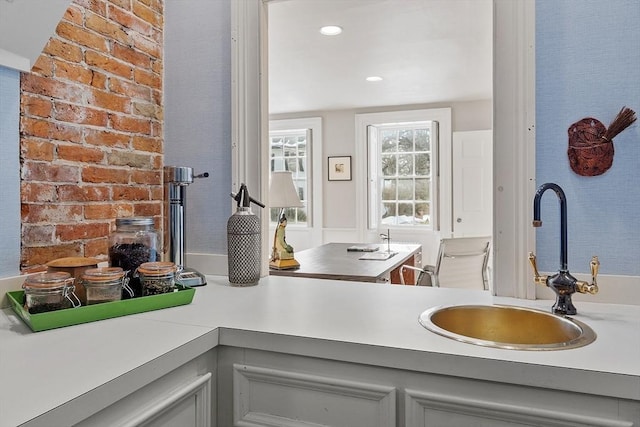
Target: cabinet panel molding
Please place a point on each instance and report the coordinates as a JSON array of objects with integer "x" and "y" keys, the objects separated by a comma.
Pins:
[
  {"x": 270, "y": 397},
  {"x": 427, "y": 409}
]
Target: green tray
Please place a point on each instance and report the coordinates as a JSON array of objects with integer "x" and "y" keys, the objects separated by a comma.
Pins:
[{"x": 90, "y": 313}]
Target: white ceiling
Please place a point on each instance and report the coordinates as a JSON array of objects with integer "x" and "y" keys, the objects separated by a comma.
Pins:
[{"x": 427, "y": 51}]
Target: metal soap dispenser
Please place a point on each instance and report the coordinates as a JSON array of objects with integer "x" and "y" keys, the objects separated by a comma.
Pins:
[{"x": 243, "y": 241}]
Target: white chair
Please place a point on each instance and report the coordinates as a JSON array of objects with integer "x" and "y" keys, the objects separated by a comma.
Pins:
[{"x": 462, "y": 263}]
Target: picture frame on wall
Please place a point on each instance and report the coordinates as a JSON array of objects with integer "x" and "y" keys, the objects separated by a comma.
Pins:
[{"x": 339, "y": 168}]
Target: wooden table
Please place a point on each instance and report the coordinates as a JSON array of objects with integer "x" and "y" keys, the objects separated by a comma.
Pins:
[{"x": 333, "y": 261}]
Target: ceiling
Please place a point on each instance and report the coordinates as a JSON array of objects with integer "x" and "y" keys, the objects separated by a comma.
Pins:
[{"x": 427, "y": 51}]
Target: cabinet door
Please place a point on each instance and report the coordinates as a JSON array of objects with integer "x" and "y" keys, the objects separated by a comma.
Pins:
[
  {"x": 186, "y": 405},
  {"x": 265, "y": 397}
]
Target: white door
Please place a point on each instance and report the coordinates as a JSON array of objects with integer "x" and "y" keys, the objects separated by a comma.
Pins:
[{"x": 472, "y": 183}]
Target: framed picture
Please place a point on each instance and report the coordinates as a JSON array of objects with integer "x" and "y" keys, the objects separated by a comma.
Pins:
[{"x": 340, "y": 168}]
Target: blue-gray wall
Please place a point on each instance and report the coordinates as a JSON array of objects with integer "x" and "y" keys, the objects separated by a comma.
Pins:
[
  {"x": 197, "y": 91},
  {"x": 588, "y": 65},
  {"x": 9, "y": 172}
]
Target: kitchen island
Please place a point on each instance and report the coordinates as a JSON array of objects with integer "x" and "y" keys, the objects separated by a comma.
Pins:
[{"x": 362, "y": 339}]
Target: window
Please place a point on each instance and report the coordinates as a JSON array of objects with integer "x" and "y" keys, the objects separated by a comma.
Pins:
[
  {"x": 409, "y": 183},
  {"x": 402, "y": 171},
  {"x": 404, "y": 156},
  {"x": 288, "y": 151}
]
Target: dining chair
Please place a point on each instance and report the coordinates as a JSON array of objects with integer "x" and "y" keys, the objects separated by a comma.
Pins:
[{"x": 462, "y": 262}]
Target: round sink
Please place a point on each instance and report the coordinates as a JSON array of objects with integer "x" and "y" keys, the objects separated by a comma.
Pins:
[{"x": 509, "y": 327}]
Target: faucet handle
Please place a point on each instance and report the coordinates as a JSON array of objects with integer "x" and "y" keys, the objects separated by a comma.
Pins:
[
  {"x": 537, "y": 278},
  {"x": 590, "y": 288}
]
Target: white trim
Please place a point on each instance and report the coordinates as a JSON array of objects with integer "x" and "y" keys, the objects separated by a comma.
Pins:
[
  {"x": 514, "y": 128},
  {"x": 314, "y": 175},
  {"x": 514, "y": 146},
  {"x": 442, "y": 205},
  {"x": 12, "y": 60}
]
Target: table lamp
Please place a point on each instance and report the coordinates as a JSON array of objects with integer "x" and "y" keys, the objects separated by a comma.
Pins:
[{"x": 282, "y": 194}]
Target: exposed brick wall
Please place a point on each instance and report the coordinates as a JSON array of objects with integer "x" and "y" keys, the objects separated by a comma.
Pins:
[{"x": 91, "y": 137}]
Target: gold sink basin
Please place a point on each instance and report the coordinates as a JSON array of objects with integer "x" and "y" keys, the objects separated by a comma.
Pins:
[{"x": 510, "y": 327}]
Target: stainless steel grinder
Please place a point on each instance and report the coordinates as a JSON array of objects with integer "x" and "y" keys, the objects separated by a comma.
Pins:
[{"x": 176, "y": 180}]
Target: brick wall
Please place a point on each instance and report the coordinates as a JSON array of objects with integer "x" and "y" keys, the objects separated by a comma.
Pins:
[{"x": 91, "y": 137}]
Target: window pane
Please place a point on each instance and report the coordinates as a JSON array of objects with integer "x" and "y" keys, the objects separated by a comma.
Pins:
[
  {"x": 423, "y": 164},
  {"x": 388, "y": 165},
  {"x": 405, "y": 140},
  {"x": 389, "y": 210},
  {"x": 405, "y": 189},
  {"x": 290, "y": 150},
  {"x": 405, "y": 209},
  {"x": 422, "y": 214},
  {"x": 389, "y": 141},
  {"x": 292, "y": 165},
  {"x": 388, "y": 189},
  {"x": 422, "y": 189},
  {"x": 422, "y": 140},
  {"x": 405, "y": 164}
]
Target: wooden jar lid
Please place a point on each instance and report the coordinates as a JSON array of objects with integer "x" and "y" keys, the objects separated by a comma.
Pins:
[{"x": 74, "y": 261}]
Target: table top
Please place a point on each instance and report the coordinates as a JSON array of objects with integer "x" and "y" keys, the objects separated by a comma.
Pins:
[{"x": 334, "y": 261}]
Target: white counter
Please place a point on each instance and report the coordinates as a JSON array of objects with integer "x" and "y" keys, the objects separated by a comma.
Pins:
[{"x": 368, "y": 323}]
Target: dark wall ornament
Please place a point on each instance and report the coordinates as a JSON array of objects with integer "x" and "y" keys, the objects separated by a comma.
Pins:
[{"x": 591, "y": 143}]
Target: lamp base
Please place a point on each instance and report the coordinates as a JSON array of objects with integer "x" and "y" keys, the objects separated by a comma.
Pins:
[{"x": 284, "y": 264}]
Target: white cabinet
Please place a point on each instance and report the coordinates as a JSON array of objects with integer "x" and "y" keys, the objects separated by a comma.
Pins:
[{"x": 259, "y": 388}]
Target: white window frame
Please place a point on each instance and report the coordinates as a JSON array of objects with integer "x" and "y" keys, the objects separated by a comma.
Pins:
[
  {"x": 442, "y": 201},
  {"x": 311, "y": 233},
  {"x": 374, "y": 173}
]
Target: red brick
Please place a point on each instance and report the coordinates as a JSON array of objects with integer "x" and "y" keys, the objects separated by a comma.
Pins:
[
  {"x": 153, "y": 177},
  {"x": 109, "y": 29},
  {"x": 79, "y": 35},
  {"x": 77, "y": 153},
  {"x": 51, "y": 213},
  {"x": 97, "y": 248},
  {"x": 147, "y": 45},
  {"x": 108, "y": 210},
  {"x": 147, "y": 78},
  {"x": 106, "y": 138},
  {"x": 130, "y": 124},
  {"x": 69, "y": 232},
  {"x": 66, "y": 132},
  {"x": 104, "y": 175},
  {"x": 109, "y": 101},
  {"x": 130, "y": 89},
  {"x": 37, "y": 149},
  {"x": 32, "y": 83},
  {"x": 144, "y": 143},
  {"x": 98, "y": 79},
  {"x": 131, "y": 56},
  {"x": 43, "y": 66},
  {"x": 80, "y": 114},
  {"x": 49, "y": 172},
  {"x": 148, "y": 209},
  {"x": 107, "y": 63},
  {"x": 84, "y": 193},
  {"x": 60, "y": 49},
  {"x": 147, "y": 14},
  {"x": 96, "y": 6},
  {"x": 69, "y": 71},
  {"x": 37, "y": 192},
  {"x": 38, "y": 234},
  {"x": 128, "y": 20},
  {"x": 131, "y": 193},
  {"x": 42, "y": 255},
  {"x": 36, "y": 106},
  {"x": 74, "y": 14}
]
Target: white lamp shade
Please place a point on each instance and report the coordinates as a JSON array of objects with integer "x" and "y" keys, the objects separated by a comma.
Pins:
[{"x": 282, "y": 192}]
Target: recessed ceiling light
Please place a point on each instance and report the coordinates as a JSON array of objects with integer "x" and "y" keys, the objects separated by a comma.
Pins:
[
  {"x": 330, "y": 30},
  {"x": 374, "y": 79}
]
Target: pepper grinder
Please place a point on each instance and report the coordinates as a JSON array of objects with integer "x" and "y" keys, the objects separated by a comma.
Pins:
[{"x": 176, "y": 180}]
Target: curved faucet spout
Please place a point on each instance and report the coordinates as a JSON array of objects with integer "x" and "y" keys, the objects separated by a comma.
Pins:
[{"x": 537, "y": 222}]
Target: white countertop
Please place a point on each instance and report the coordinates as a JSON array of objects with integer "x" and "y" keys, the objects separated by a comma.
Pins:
[{"x": 361, "y": 322}]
